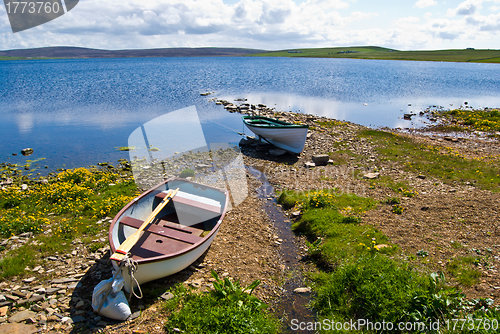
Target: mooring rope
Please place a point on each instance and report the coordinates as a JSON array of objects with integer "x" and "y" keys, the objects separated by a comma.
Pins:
[
  {"x": 132, "y": 268},
  {"x": 131, "y": 265}
]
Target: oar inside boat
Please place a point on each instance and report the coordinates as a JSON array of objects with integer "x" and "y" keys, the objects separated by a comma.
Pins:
[
  {"x": 181, "y": 233},
  {"x": 127, "y": 245}
]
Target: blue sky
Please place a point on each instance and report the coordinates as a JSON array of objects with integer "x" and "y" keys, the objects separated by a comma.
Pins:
[{"x": 267, "y": 24}]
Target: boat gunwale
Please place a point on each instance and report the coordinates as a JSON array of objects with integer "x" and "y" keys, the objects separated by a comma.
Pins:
[
  {"x": 179, "y": 253},
  {"x": 281, "y": 124}
]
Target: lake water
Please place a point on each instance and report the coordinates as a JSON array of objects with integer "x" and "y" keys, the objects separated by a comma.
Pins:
[{"x": 76, "y": 112}]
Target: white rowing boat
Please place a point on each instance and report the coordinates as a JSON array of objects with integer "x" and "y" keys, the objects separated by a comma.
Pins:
[
  {"x": 288, "y": 136},
  {"x": 180, "y": 233}
]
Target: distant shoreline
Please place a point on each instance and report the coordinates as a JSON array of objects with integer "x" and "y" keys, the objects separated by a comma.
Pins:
[{"x": 355, "y": 52}]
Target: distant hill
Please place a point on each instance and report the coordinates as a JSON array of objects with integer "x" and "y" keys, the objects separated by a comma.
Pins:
[
  {"x": 376, "y": 52},
  {"x": 76, "y": 52},
  {"x": 358, "y": 52}
]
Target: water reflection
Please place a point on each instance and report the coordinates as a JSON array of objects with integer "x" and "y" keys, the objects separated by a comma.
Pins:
[{"x": 372, "y": 113}]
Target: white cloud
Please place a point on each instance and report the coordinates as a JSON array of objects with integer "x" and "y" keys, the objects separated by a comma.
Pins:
[
  {"x": 467, "y": 7},
  {"x": 425, "y": 3},
  {"x": 266, "y": 24}
]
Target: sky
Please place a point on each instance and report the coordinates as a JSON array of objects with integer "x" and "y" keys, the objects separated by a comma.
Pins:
[{"x": 266, "y": 24}]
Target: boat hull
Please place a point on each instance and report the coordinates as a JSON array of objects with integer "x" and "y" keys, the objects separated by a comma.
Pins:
[
  {"x": 182, "y": 232},
  {"x": 151, "y": 271},
  {"x": 288, "y": 137}
]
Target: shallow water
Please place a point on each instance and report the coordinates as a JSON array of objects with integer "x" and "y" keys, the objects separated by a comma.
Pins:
[{"x": 291, "y": 305}]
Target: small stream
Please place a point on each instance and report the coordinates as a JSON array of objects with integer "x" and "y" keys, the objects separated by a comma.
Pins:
[{"x": 292, "y": 305}]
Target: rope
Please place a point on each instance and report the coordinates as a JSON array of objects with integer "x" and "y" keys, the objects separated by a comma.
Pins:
[{"x": 131, "y": 265}]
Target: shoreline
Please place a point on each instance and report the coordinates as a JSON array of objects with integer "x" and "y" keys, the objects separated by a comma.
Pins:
[
  {"x": 440, "y": 215},
  {"x": 349, "y": 52}
]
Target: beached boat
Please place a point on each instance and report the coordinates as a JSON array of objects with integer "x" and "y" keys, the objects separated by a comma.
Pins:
[
  {"x": 288, "y": 136},
  {"x": 181, "y": 232}
]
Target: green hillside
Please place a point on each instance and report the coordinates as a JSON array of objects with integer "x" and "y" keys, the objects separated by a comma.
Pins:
[{"x": 374, "y": 52}]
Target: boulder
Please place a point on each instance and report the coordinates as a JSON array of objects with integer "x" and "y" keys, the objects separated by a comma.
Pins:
[
  {"x": 27, "y": 151},
  {"x": 320, "y": 159}
]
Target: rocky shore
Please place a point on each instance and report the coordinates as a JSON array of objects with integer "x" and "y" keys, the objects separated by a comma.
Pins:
[{"x": 56, "y": 297}]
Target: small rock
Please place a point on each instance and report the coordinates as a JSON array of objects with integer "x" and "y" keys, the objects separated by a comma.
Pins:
[
  {"x": 78, "y": 318},
  {"x": 320, "y": 159},
  {"x": 310, "y": 164},
  {"x": 66, "y": 320},
  {"x": 371, "y": 176},
  {"x": 29, "y": 280},
  {"x": 197, "y": 283},
  {"x": 52, "y": 318},
  {"x": 22, "y": 316},
  {"x": 80, "y": 305},
  {"x": 50, "y": 291},
  {"x": 11, "y": 297},
  {"x": 7, "y": 182},
  {"x": 27, "y": 151},
  {"x": 201, "y": 166},
  {"x": 422, "y": 177},
  {"x": 102, "y": 323},
  {"x": 276, "y": 152},
  {"x": 302, "y": 290},
  {"x": 36, "y": 308},
  {"x": 248, "y": 142},
  {"x": 167, "y": 296},
  {"x": 3, "y": 311}
]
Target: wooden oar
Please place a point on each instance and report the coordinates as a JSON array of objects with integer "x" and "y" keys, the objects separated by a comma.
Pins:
[{"x": 127, "y": 245}]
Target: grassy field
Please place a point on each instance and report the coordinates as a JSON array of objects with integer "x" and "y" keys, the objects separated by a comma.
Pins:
[
  {"x": 64, "y": 207},
  {"x": 12, "y": 58},
  {"x": 360, "y": 276},
  {"x": 374, "y": 52}
]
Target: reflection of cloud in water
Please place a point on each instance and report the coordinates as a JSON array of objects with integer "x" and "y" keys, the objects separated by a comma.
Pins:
[
  {"x": 309, "y": 105},
  {"x": 378, "y": 112},
  {"x": 25, "y": 123}
]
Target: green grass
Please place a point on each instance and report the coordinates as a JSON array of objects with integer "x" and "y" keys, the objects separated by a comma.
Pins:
[
  {"x": 373, "y": 52},
  {"x": 463, "y": 269},
  {"x": 360, "y": 275},
  {"x": 445, "y": 163},
  {"x": 66, "y": 207},
  {"x": 11, "y": 58},
  {"x": 229, "y": 308},
  {"x": 480, "y": 120},
  {"x": 188, "y": 172}
]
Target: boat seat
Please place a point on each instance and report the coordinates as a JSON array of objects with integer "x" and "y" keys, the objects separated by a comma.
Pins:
[
  {"x": 167, "y": 229},
  {"x": 193, "y": 200}
]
